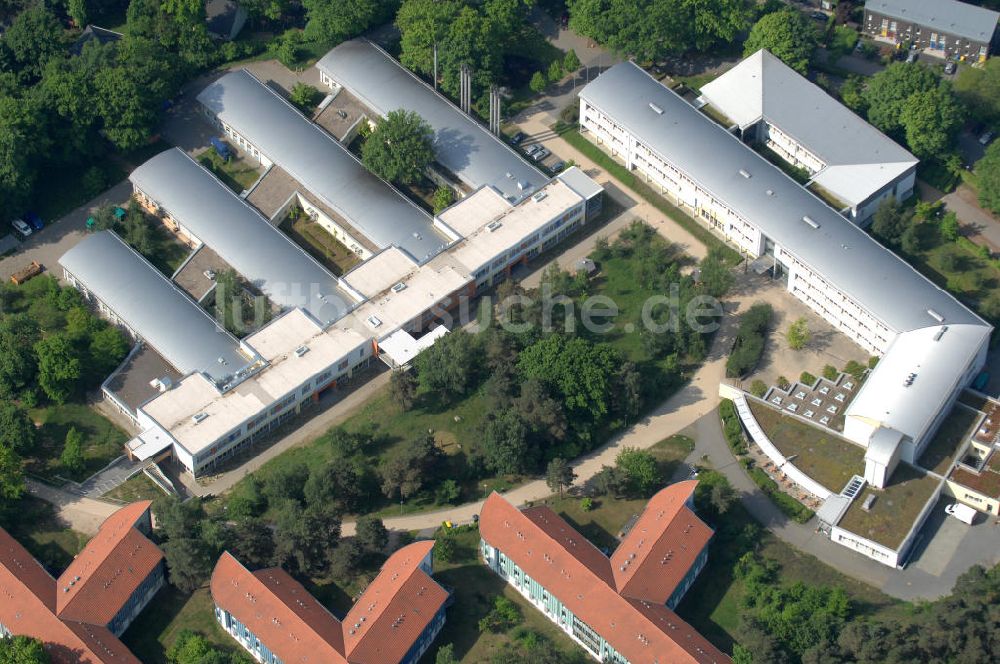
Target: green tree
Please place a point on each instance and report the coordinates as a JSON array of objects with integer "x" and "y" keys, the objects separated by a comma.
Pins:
[
  {"x": 400, "y": 148},
  {"x": 949, "y": 227},
  {"x": 403, "y": 388},
  {"x": 17, "y": 431},
  {"x": 889, "y": 90},
  {"x": 246, "y": 500},
  {"x": 571, "y": 62},
  {"x": 931, "y": 120},
  {"x": 640, "y": 470},
  {"x": 788, "y": 34},
  {"x": 59, "y": 368},
  {"x": 126, "y": 107},
  {"x": 889, "y": 222},
  {"x": 371, "y": 533},
  {"x": 306, "y": 538},
  {"x": 108, "y": 347},
  {"x": 798, "y": 334},
  {"x": 559, "y": 475},
  {"x": 345, "y": 559},
  {"x": 444, "y": 196},
  {"x": 504, "y": 443},
  {"x": 22, "y": 650},
  {"x": 189, "y": 561},
  {"x": 77, "y": 10},
  {"x": 288, "y": 47},
  {"x": 18, "y": 364},
  {"x": 988, "y": 178},
  {"x": 404, "y": 474},
  {"x": 538, "y": 82},
  {"x": 12, "y": 484},
  {"x": 305, "y": 96},
  {"x": 542, "y": 414},
  {"x": 446, "y": 655},
  {"x": 503, "y": 616},
  {"x": 422, "y": 24},
  {"x": 252, "y": 542},
  {"x": 842, "y": 40},
  {"x": 555, "y": 72},
  {"x": 579, "y": 370},
  {"x": 979, "y": 90},
  {"x": 715, "y": 275},
  {"x": 852, "y": 93},
  {"x": 450, "y": 366},
  {"x": 336, "y": 21},
  {"x": 34, "y": 36},
  {"x": 72, "y": 453}
]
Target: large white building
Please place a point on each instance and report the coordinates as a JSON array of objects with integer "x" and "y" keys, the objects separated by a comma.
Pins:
[
  {"x": 391, "y": 306},
  {"x": 931, "y": 346},
  {"x": 851, "y": 164}
]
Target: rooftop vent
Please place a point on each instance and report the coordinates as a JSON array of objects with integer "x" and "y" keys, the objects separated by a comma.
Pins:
[
  {"x": 770, "y": 192},
  {"x": 656, "y": 109},
  {"x": 540, "y": 196},
  {"x": 198, "y": 417},
  {"x": 493, "y": 225},
  {"x": 301, "y": 350},
  {"x": 809, "y": 220},
  {"x": 399, "y": 287},
  {"x": 935, "y": 315},
  {"x": 940, "y": 332},
  {"x": 374, "y": 321},
  {"x": 745, "y": 173}
]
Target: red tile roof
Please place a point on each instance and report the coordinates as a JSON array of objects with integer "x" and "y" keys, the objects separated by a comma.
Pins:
[
  {"x": 29, "y": 597},
  {"x": 659, "y": 550},
  {"x": 640, "y": 628},
  {"x": 299, "y": 631},
  {"x": 394, "y": 609},
  {"x": 380, "y": 628}
]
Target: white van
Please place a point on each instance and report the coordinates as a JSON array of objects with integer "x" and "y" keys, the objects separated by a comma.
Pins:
[{"x": 961, "y": 512}]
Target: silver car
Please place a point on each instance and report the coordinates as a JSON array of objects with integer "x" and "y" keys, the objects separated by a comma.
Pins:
[
  {"x": 541, "y": 154},
  {"x": 21, "y": 227},
  {"x": 532, "y": 149}
]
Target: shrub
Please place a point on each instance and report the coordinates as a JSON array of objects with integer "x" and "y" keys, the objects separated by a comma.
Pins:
[
  {"x": 555, "y": 71},
  {"x": 872, "y": 361},
  {"x": 783, "y": 383},
  {"x": 750, "y": 338},
  {"x": 830, "y": 372},
  {"x": 731, "y": 427},
  {"x": 570, "y": 62},
  {"x": 587, "y": 504},
  {"x": 807, "y": 378},
  {"x": 443, "y": 197},
  {"x": 758, "y": 388},
  {"x": 538, "y": 82},
  {"x": 855, "y": 370},
  {"x": 790, "y": 507}
]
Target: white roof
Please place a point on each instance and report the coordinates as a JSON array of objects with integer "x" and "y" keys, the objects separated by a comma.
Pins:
[
  {"x": 149, "y": 443},
  {"x": 950, "y": 16},
  {"x": 883, "y": 445},
  {"x": 461, "y": 144},
  {"x": 501, "y": 234},
  {"x": 474, "y": 211},
  {"x": 321, "y": 164},
  {"x": 859, "y": 159},
  {"x": 380, "y": 272},
  {"x": 402, "y": 347},
  {"x": 288, "y": 370},
  {"x": 937, "y": 362}
]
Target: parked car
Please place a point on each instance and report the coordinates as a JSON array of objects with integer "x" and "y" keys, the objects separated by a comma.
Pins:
[
  {"x": 961, "y": 512},
  {"x": 21, "y": 227},
  {"x": 34, "y": 221},
  {"x": 911, "y": 57},
  {"x": 541, "y": 154},
  {"x": 532, "y": 149},
  {"x": 558, "y": 166},
  {"x": 517, "y": 138},
  {"x": 949, "y": 68},
  {"x": 986, "y": 138},
  {"x": 820, "y": 16}
]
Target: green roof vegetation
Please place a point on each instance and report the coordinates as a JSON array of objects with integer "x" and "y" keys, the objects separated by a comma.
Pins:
[{"x": 895, "y": 509}]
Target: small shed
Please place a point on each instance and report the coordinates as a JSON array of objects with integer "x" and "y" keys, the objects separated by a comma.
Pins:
[{"x": 585, "y": 265}]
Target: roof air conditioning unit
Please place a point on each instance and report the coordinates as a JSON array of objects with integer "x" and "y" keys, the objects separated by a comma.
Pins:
[
  {"x": 809, "y": 220},
  {"x": 301, "y": 350},
  {"x": 656, "y": 109},
  {"x": 540, "y": 196},
  {"x": 198, "y": 417},
  {"x": 399, "y": 287},
  {"x": 493, "y": 225},
  {"x": 374, "y": 321},
  {"x": 745, "y": 173}
]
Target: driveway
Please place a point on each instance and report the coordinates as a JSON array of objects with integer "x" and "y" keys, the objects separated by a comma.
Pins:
[
  {"x": 84, "y": 515},
  {"x": 49, "y": 244},
  {"x": 981, "y": 226}
]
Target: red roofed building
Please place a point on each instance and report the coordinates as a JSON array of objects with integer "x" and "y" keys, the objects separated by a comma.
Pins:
[
  {"x": 620, "y": 609},
  {"x": 80, "y": 615},
  {"x": 276, "y": 619}
]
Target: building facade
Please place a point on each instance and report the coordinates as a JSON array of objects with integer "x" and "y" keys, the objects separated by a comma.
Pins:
[
  {"x": 946, "y": 28},
  {"x": 274, "y": 618},
  {"x": 618, "y": 608}
]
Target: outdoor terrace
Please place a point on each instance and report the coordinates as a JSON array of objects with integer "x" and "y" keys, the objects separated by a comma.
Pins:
[
  {"x": 820, "y": 454},
  {"x": 340, "y": 116},
  {"x": 895, "y": 508},
  {"x": 824, "y": 402},
  {"x": 986, "y": 481}
]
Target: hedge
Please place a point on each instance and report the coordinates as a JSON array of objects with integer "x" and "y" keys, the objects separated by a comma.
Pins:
[
  {"x": 790, "y": 507},
  {"x": 731, "y": 427},
  {"x": 750, "y": 338}
]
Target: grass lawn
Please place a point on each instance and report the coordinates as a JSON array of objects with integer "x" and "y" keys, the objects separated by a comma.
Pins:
[
  {"x": 38, "y": 529},
  {"x": 475, "y": 586},
  {"x": 895, "y": 508},
  {"x": 322, "y": 246},
  {"x": 949, "y": 437},
  {"x": 238, "y": 174},
  {"x": 102, "y": 440},
  {"x": 714, "y": 603},
  {"x": 629, "y": 179},
  {"x": 139, "y": 487},
  {"x": 170, "y": 252},
  {"x": 169, "y": 613},
  {"x": 821, "y": 455}
]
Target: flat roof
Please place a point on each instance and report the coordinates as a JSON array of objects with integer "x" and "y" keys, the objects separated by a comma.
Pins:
[
  {"x": 845, "y": 255},
  {"x": 498, "y": 235},
  {"x": 955, "y": 18},
  {"x": 461, "y": 144},
  {"x": 471, "y": 213},
  {"x": 936, "y": 355},
  {"x": 859, "y": 159},
  {"x": 287, "y": 370},
  {"x": 380, "y": 272},
  {"x": 181, "y": 331},
  {"x": 323, "y": 166},
  {"x": 238, "y": 233}
]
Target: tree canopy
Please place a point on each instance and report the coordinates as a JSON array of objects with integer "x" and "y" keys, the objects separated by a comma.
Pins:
[
  {"x": 788, "y": 34},
  {"x": 988, "y": 177},
  {"x": 979, "y": 90},
  {"x": 22, "y": 650},
  {"x": 336, "y": 21},
  {"x": 400, "y": 148}
]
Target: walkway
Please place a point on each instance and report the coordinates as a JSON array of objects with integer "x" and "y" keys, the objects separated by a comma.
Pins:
[{"x": 84, "y": 515}]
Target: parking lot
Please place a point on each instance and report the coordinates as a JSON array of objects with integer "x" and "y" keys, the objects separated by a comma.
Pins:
[{"x": 537, "y": 154}]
